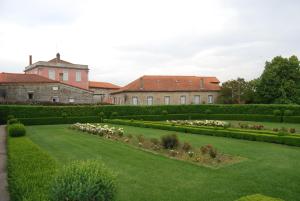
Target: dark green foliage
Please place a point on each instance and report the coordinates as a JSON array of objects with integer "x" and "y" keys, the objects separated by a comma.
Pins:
[
  {"x": 258, "y": 197},
  {"x": 85, "y": 181},
  {"x": 170, "y": 141},
  {"x": 30, "y": 170},
  {"x": 114, "y": 114},
  {"x": 280, "y": 81},
  {"x": 10, "y": 117},
  {"x": 16, "y": 130},
  {"x": 288, "y": 113},
  {"x": 13, "y": 121},
  {"x": 207, "y": 111},
  {"x": 64, "y": 115},
  {"x": 277, "y": 112},
  {"x": 164, "y": 112},
  {"x": 292, "y": 130}
]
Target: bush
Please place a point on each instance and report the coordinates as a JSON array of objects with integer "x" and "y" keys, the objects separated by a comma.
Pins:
[
  {"x": 292, "y": 130},
  {"x": 277, "y": 112},
  {"x": 288, "y": 113},
  {"x": 114, "y": 114},
  {"x": 170, "y": 141},
  {"x": 186, "y": 146},
  {"x": 164, "y": 112},
  {"x": 258, "y": 197},
  {"x": 84, "y": 181},
  {"x": 154, "y": 141},
  {"x": 207, "y": 111},
  {"x": 12, "y": 121},
  {"x": 64, "y": 115},
  {"x": 16, "y": 130},
  {"x": 10, "y": 117}
]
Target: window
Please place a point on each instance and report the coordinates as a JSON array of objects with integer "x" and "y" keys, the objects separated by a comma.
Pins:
[
  {"x": 167, "y": 100},
  {"x": 196, "y": 99},
  {"x": 210, "y": 99},
  {"x": 65, "y": 75},
  {"x": 55, "y": 88},
  {"x": 182, "y": 100},
  {"x": 30, "y": 95},
  {"x": 78, "y": 76},
  {"x": 71, "y": 100},
  {"x": 51, "y": 74},
  {"x": 55, "y": 99},
  {"x": 134, "y": 100},
  {"x": 150, "y": 100}
]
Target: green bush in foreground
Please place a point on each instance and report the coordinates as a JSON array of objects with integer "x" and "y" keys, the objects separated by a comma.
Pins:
[
  {"x": 12, "y": 121},
  {"x": 16, "y": 130},
  {"x": 84, "y": 181},
  {"x": 258, "y": 197},
  {"x": 30, "y": 170}
]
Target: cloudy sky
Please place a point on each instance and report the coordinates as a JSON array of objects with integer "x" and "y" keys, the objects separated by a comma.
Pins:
[{"x": 121, "y": 40}]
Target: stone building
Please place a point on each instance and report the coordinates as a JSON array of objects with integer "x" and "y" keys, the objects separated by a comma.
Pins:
[
  {"x": 102, "y": 91},
  {"x": 168, "y": 90},
  {"x": 30, "y": 88}
]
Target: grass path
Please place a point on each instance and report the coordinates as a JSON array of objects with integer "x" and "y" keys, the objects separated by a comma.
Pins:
[{"x": 271, "y": 169}]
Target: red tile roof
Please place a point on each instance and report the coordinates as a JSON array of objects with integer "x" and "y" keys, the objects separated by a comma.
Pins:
[
  {"x": 103, "y": 85},
  {"x": 23, "y": 78},
  {"x": 54, "y": 60},
  {"x": 154, "y": 83}
]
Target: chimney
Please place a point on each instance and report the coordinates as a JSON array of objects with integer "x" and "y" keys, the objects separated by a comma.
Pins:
[
  {"x": 57, "y": 57},
  {"x": 30, "y": 59}
]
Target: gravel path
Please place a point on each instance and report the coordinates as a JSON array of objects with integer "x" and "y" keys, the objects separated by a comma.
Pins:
[{"x": 4, "y": 196}]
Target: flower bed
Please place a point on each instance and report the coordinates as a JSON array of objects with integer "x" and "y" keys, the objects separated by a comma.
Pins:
[
  {"x": 168, "y": 145},
  {"x": 214, "y": 123}
]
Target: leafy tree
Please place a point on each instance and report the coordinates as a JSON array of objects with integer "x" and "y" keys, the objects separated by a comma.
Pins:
[
  {"x": 238, "y": 91},
  {"x": 280, "y": 81}
]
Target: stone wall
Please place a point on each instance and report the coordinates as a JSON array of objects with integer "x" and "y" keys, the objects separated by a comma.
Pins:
[
  {"x": 102, "y": 95},
  {"x": 159, "y": 97},
  {"x": 45, "y": 92}
]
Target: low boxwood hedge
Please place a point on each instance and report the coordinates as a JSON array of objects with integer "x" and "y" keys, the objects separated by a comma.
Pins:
[
  {"x": 258, "y": 197},
  {"x": 60, "y": 120},
  {"x": 16, "y": 130},
  {"x": 288, "y": 140}
]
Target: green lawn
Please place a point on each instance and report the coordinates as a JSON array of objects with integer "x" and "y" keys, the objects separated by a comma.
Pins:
[
  {"x": 270, "y": 169},
  {"x": 268, "y": 125}
]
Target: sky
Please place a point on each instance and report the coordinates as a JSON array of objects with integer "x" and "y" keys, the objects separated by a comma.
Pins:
[{"x": 123, "y": 40}]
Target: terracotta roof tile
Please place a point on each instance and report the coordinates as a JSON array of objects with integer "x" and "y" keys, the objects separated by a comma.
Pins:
[
  {"x": 172, "y": 83},
  {"x": 24, "y": 78},
  {"x": 103, "y": 85}
]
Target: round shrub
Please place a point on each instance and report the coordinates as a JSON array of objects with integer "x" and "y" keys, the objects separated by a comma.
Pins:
[
  {"x": 288, "y": 113},
  {"x": 16, "y": 130},
  {"x": 169, "y": 141},
  {"x": 85, "y": 181},
  {"x": 13, "y": 121},
  {"x": 277, "y": 112}
]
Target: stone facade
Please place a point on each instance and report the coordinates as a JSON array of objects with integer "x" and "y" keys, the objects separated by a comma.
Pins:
[
  {"x": 160, "y": 98},
  {"x": 44, "y": 92},
  {"x": 102, "y": 95}
]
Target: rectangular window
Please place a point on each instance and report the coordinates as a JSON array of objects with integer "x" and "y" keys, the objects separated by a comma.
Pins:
[
  {"x": 135, "y": 100},
  {"x": 196, "y": 99},
  {"x": 150, "y": 100},
  {"x": 55, "y": 88},
  {"x": 51, "y": 74},
  {"x": 65, "y": 75},
  {"x": 71, "y": 100},
  {"x": 78, "y": 76},
  {"x": 182, "y": 100},
  {"x": 167, "y": 100},
  {"x": 30, "y": 95},
  {"x": 210, "y": 99}
]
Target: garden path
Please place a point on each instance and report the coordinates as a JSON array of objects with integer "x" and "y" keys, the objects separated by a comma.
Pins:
[{"x": 4, "y": 196}]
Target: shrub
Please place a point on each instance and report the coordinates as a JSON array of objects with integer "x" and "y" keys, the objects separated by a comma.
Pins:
[
  {"x": 283, "y": 131},
  {"x": 16, "y": 130},
  {"x": 10, "y": 117},
  {"x": 258, "y": 197},
  {"x": 186, "y": 146},
  {"x": 292, "y": 130},
  {"x": 12, "y": 121},
  {"x": 64, "y": 115},
  {"x": 170, "y": 141},
  {"x": 140, "y": 138},
  {"x": 114, "y": 114},
  {"x": 277, "y": 112},
  {"x": 210, "y": 150},
  {"x": 154, "y": 141},
  {"x": 84, "y": 181},
  {"x": 244, "y": 125},
  {"x": 275, "y": 129},
  {"x": 164, "y": 112},
  {"x": 288, "y": 113},
  {"x": 207, "y": 111}
]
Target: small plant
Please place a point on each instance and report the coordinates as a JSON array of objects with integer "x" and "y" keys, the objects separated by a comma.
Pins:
[
  {"x": 170, "y": 141},
  {"x": 13, "y": 121},
  {"x": 244, "y": 125},
  {"x": 292, "y": 130},
  {"x": 154, "y": 141},
  {"x": 16, "y": 130},
  {"x": 226, "y": 125},
  {"x": 129, "y": 136},
  {"x": 191, "y": 154},
  {"x": 84, "y": 180},
  {"x": 140, "y": 138},
  {"x": 288, "y": 112},
  {"x": 257, "y": 127},
  {"x": 212, "y": 152},
  {"x": 283, "y": 131},
  {"x": 275, "y": 129},
  {"x": 173, "y": 153},
  {"x": 186, "y": 147},
  {"x": 277, "y": 112}
]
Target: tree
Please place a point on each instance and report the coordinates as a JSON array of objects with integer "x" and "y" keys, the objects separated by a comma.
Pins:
[
  {"x": 238, "y": 91},
  {"x": 280, "y": 81}
]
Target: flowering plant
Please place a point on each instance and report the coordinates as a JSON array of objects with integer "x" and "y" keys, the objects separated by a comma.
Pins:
[
  {"x": 216, "y": 123},
  {"x": 98, "y": 129}
]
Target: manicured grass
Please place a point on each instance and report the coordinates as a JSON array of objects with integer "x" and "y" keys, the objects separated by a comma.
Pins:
[
  {"x": 30, "y": 170},
  {"x": 268, "y": 125},
  {"x": 271, "y": 169}
]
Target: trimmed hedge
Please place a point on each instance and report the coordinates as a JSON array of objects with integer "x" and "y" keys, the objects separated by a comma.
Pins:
[
  {"x": 30, "y": 111},
  {"x": 258, "y": 197},
  {"x": 16, "y": 130},
  {"x": 253, "y": 136},
  {"x": 30, "y": 170}
]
